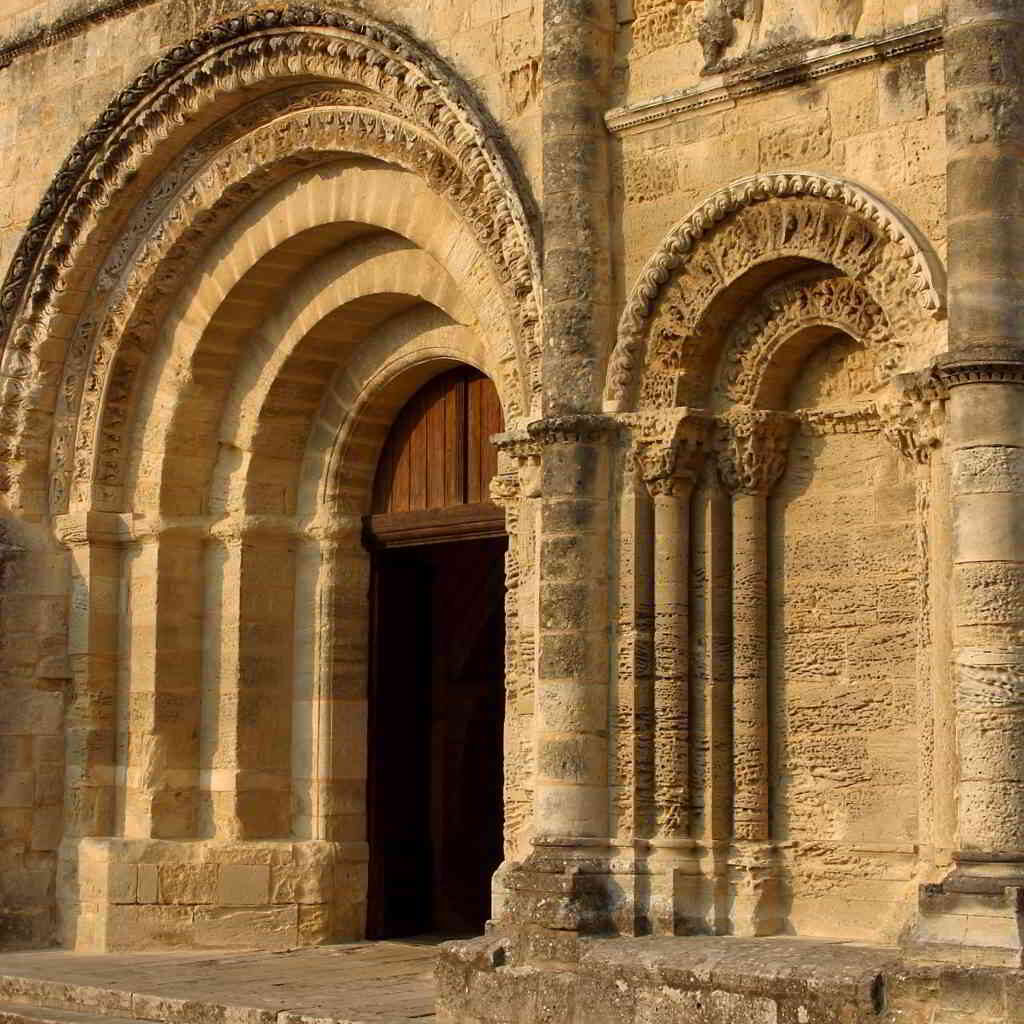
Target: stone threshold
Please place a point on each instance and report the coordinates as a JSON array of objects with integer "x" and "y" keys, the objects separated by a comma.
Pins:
[{"x": 353, "y": 983}]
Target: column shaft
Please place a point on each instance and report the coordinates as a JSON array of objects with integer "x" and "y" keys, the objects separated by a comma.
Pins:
[
  {"x": 671, "y": 659},
  {"x": 572, "y": 686},
  {"x": 752, "y": 794},
  {"x": 247, "y": 685},
  {"x": 984, "y": 60},
  {"x": 90, "y": 721}
]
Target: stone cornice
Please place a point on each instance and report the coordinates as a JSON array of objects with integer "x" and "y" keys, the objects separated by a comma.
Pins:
[
  {"x": 983, "y": 364},
  {"x": 767, "y": 74},
  {"x": 65, "y": 27}
]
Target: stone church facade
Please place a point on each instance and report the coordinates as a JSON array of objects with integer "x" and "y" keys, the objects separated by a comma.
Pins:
[{"x": 708, "y": 317}]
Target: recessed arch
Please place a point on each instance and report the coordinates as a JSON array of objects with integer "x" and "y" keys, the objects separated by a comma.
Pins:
[
  {"x": 375, "y": 92},
  {"x": 756, "y": 230}
]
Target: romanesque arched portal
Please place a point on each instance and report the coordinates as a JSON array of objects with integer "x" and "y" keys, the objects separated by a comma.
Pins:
[{"x": 263, "y": 248}]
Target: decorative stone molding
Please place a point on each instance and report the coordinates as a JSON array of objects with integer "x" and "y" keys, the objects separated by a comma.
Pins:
[
  {"x": 580, "y": 429},
  {"x": 982, "y": 364},
  {"x": 250, "y": 48},
  {"x": 407, "y": 108},
  {"x": 785, "y": 310},
  {"x": 754, "y": 221},
  {"x": 669, "y": 450},
  {"x": 525, "y": 451},
  {"x": 774, "y": 70},
  {"x": 165, "y": 255},
  {"x": 752, "y": 446},
  {"x": 912, "y": 416},
  {"x": 825, "y": 422}
]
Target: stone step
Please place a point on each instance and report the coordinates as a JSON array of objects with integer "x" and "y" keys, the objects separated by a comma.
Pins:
[{"x": 23, "y": 1013}]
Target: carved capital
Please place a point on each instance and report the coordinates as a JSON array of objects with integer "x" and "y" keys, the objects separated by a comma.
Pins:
[
  {"x": 912, "y": 416},
  {"x": 505, "y": 489},
  {"x": 669, "y": 449},
  {"x": 752, "y": 446},
  {"x": 524, "y": 451},
  {"x": 585, "y": 428}
]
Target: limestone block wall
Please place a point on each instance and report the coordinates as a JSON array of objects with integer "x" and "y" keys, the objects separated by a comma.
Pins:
[{"x": 881, "y": 125}]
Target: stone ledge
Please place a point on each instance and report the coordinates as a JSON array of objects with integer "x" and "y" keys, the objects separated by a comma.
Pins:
[
  {"x": 708, "y": 980},
  {"x": 767, "y": 74}
]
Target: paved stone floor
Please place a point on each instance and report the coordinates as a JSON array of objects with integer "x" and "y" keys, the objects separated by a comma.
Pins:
[{"x": 375, "y": 982}]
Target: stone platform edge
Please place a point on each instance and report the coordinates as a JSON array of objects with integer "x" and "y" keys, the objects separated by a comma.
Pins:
[
  {"x": 35, "y": 993},
  {"x": 706, "y": 980}
]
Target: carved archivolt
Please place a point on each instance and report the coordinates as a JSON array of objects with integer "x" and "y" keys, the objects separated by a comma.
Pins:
[
  {"x": 787, "y": 309},
  {"x": 662, "y": 334},
  {"x": 392, "y": 100}
]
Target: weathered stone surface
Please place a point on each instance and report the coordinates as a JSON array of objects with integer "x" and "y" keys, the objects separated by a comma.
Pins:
[{"x": 763, "y": 613}]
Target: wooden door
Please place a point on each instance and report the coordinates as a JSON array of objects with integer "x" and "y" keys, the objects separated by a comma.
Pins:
[
  {"x": 434, "y": 473},
  {"x": 437, "y": 664}
]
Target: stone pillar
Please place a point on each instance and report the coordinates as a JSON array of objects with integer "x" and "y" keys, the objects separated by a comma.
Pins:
[
  {"x": 163, "y": 637},
  {"x": 670, "y": 469},
  {"x": 93, "y": 540},
  {"x": 578, "y": 43},
  {"x": 329, "y": 715},
  {"x": 752, "y": 458},
  {"x": 572, "y": 687},
  {"x": 247, "y": 679},
  {"x": 984, "y": 373},
  {"x": 571, "y": 797}
]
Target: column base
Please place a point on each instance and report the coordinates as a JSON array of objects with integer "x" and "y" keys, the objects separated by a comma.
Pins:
[
  {"x": 972, "y": 918},
  {"x": 756, "y": 908},
  {"x": 153, "y": 894}
]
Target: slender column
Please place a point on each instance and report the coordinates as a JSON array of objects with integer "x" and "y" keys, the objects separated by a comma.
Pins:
[
  {"x": 163, "y": 638},
  {"x": 247, "y": 680},
  {"x": 985, "y": 375},
  {"x": 633, "y": 782},
  {"x": 93, "y": 540},
  {"x": 752, "y": 459},
  {"x": 578, "y": 44},
  {"x": 669, "y": 470}
]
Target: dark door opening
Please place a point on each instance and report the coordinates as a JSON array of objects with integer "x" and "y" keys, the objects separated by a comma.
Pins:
[
  {"x": 434, "y": 795},
  {"x": 437, "y": 663}
]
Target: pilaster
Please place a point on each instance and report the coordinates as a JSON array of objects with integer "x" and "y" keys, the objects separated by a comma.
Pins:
[
  {"x": 93, "y": 540},
  {"x": 247, "y": 678},
  {"x": 570, "y": 814}
]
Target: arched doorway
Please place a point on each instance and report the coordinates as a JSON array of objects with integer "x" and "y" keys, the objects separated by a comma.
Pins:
[{"x": 434, "y": 795}]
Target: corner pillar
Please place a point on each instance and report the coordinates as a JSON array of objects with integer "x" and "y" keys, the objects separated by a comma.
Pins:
[
  {"x": 555, "y": 887},
  {"x": 980, "y": 904}
]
